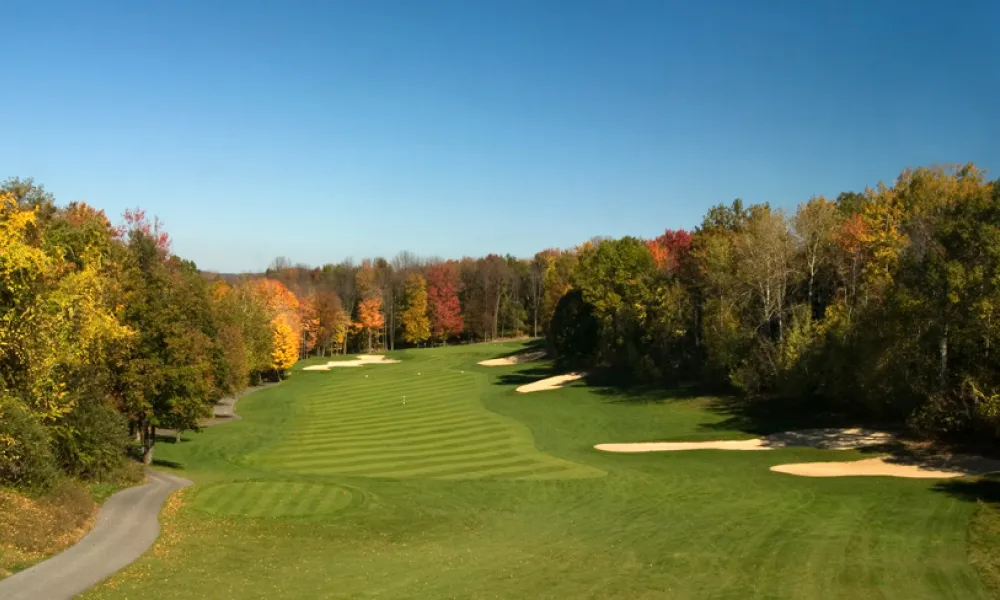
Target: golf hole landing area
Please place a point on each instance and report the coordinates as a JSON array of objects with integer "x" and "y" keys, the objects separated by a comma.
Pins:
[
  {"x": 359, "y": 426},
  {"x": 274, "y": 499}
]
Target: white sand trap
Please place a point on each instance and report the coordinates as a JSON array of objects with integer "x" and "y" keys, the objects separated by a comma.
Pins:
[
  {"x": 755, "y": 444},
  {"x": 512, "y": 360},
  {"x": 829, "y": 438},
  {"x": 359, "y": 361},
  {"x": 913, "y": 468},
  {"x": 550, "y": 383}
]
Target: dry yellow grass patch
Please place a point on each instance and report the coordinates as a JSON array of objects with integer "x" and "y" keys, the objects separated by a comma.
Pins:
[{"x": 31, "y": 529}]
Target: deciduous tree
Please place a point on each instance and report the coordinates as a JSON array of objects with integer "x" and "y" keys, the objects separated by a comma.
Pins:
[
  {"x": 416, "y": 325},
  {"x": 442, "y": 301}
]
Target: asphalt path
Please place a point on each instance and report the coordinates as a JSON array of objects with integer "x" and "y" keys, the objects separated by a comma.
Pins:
[{"x": 126, "y": 526}]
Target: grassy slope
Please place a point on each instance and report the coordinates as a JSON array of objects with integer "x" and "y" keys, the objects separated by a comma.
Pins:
[
  {"x": 530, "y": 514},
  {"x": 34, "y": 528}
]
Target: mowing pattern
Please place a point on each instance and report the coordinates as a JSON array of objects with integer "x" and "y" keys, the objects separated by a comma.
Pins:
[
  {"x": 354, "y": 422},
  {"x": 272, "y": 499}
]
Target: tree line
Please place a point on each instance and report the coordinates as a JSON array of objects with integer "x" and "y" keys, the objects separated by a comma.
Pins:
[
  {"x": 879, "y": 302},
  {"x": 411, "y": 301},
  {"x": 106, "y": 335}
]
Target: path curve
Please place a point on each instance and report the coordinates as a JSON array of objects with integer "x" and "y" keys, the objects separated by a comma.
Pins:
[{"x": 127, "y": 525}]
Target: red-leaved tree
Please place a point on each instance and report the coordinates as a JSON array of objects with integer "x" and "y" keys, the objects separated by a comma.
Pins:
[
  {"x": 669, "y": 248},
  {"x": 135, "y": 220},
  {"x": 442, "y": 300}
]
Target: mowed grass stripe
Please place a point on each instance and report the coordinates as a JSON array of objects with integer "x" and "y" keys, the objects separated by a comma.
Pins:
[
  {"x": 356, "y": 397},
  {"x": 272, "y": 499},
  {"x": 339, "y": 448},
  {"x": 264, "y": 497},
  {"x": 412, "y": 431},
  {"x": 358, "y": 426},
  {"x": 411, "y": 422},
  {"x": 393, "y": 453},
  {"x": 416, "y": 433},
  {"x": 377, "y": 415},
  {"x": 396, "y": 468},
  {"x": 417, "y": 429},
  {"x": 471, "y": 467},
  {"x": 513, "y": 471},
  {"x": 431, "y": 385},
  {"x": 395, "y": 414}
]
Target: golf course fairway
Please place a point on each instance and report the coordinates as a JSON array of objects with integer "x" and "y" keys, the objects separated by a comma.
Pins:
[{"x": 332, "y": 487}]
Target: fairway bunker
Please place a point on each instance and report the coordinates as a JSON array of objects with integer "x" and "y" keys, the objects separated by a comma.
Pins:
[
  {"x": 515, "y": 359},
  {"x": 549, "y": 383},
  {"x": 828, "y": 439},
  {"x": 359, "y": 361},
  {"x": 908, "y": 467}
]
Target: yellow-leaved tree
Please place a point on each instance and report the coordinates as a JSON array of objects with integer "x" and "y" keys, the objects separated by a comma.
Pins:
[
  {"x": 286, "y": 347},
  {"x": 56, "y": 319},
  {"x": 416, "y": 325}
]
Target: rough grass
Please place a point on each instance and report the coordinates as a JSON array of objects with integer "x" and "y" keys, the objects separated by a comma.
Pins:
[
  {"x": 33, "y": 528},
  {"x": 984, "y": 542},
  {"x": 671, "y": 525}
]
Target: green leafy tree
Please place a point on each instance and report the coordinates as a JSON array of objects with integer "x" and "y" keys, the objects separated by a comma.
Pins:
[{"x": 617, "y": 278}]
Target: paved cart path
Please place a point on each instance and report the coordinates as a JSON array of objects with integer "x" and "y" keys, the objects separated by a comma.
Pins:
[{"x": 126, "y": 526}]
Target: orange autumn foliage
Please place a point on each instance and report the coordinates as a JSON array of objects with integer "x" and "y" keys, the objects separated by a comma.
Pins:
[
  {"x": 370, "y": 317},
  {"x": 370, "y": 314},
  {"x": 308, "y": 316}
]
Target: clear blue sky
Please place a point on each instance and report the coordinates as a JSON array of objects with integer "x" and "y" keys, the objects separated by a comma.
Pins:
[{"x": 325, "y": 130}]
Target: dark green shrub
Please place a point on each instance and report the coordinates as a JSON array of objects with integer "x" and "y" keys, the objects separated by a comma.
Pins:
[
  {"x": 26, "y": 460},
  {"x": 573, "y": 333},
  {"x": 91, "y": 441}
]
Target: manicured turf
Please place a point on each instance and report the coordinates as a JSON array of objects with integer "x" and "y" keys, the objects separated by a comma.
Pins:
[
  {"x": 472, "y": 491},
  {"x": 413, "y": 419},
  {"x": 272, "y": 499}
]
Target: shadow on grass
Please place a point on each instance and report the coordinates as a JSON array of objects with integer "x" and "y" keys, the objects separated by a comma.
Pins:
[
  {"x": 529, "y": 375},
  {"x": 169, "y": 464},
  {"x": 766, "y": 416},
  {"x": 981, "y": 489},
  {"x": 538, "y": 345},
  {"x": 616, "y": 388}
]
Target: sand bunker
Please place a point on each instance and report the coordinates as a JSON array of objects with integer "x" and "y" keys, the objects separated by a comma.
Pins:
[
  {"x": 512, "y": 360},
  {"x": 359, "y": 361},
  {"x": 830, "y": 439},
  {"x": 913, "y": 468},
  {"x": 919, "y": 467},
  {"x": 550, "y": 383}
]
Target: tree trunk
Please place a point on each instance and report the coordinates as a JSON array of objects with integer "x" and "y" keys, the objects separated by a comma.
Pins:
[
  {"x": 943, "y": 350},
  {"x": 392, "y": 323},
  {"x": 149, "y": 440},
  {"x": 496, "y": 313}
]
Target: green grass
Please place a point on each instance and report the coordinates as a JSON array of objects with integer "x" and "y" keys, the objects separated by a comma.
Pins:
[
  {"x": 331, "y": 488},
  {"x": 417, "y": 418},
  {"x": 273, "y": 499}
]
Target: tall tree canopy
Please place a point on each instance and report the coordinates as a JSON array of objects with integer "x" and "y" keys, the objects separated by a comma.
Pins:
[{"x": 416, "y": 325}]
